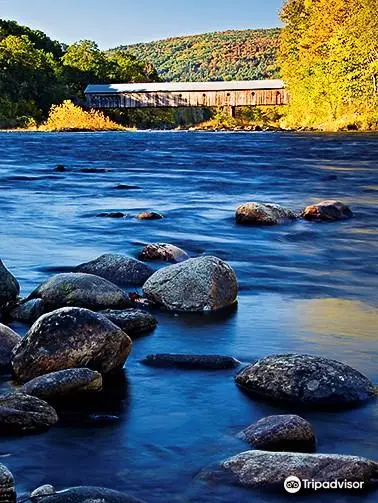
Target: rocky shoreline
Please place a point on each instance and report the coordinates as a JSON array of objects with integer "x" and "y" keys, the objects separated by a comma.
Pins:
[{"x": 81, "y": 330}]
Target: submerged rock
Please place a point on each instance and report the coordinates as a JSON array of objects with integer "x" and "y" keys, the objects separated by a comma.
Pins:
[
  {"x": 21, "y": 413},
  {"x": 203, "y": 362},
  {"x": 262, "y": 214},
  {"x": 119, "y": 269},
  {"x": 132, "y": 321},
  {"x": 45, "y": 490},
  {"x": 198, "y": 284},
  {"x": 149, "y": 215},
  {"x": 286, "y": 432},
  {"x": 114, "y": 214},
  {"x": 306, "y": 380},
  {"x": 9, "y": 287},
  {"x": 64, "y": 382},
  {"x": 262, "y": 468},
  {"x": 123, "y": 186},
  {"x": 8, "y": 340},
  {"x": 163, "y": 251},
  {"x": 87, "y": 494},
  {"x": 7, "y": 486},
  {"x": 327, "y": 211},
  {"x": 29, "y": 311},
  {"x": 68, "y": 338},
  {"x": 80, "y": 290}
]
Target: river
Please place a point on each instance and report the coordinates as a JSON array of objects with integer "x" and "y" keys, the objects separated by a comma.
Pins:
[{"x": 304, "y": 287}]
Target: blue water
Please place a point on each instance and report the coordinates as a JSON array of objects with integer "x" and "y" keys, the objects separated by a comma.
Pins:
[{"x": 304, "y": 287}]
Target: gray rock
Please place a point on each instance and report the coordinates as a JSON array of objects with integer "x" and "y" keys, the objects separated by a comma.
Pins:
[
  {"x": 306, "y": 380},
  {"x": 119, "y": 269},
  {"x": 9, "y": 287},
  {"x": 163, "y": 251},
  {"x": 262, "y": 214},
  {"x": 327, "y": 211},
  {"x": 132, "y": 321},
  {"x": 198, "y": 284},
  {"x": 8, "y": 340},
  {"x": 286, "y": 432},
  {"x": 29, "y": 311},
  {"x": 7, "y": 486},
  {"x": 262, "y": 468},
  {"x": 21, "y": 413},
  {"x": 62, "y": 383},
  {"x": 80, "y": 290},
  {"x": 68, "y": 338},
  {"x": 149, "y": 215},
  {"x": 45, "y": 490},
  {"x": 89, "y": 495},
  {"x": 203, "y": 362}
]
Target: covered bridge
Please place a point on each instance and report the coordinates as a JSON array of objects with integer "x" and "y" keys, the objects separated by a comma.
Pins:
[{"x": 227, "y": 94}]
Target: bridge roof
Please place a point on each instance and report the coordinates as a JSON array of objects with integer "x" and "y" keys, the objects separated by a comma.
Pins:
[{"x": 153, "y": 87}]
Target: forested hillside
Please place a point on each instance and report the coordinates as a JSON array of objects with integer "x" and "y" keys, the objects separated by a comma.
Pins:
[
  {"x": 228, "y": 55},
  {"x": 329, "y": 59}
]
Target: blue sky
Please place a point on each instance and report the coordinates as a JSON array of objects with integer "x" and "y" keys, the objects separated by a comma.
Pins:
[{"x": 115, "y": 22}]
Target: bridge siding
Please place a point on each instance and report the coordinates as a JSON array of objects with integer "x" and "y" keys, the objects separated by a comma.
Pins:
[{"x": 189, "y": 99}]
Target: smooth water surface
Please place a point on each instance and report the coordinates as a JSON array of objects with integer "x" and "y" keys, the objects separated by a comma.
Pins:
[{"x": 304, "y": 287}]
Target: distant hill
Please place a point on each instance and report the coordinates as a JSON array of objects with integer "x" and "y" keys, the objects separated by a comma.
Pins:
[{"x": 227, "y": 55}]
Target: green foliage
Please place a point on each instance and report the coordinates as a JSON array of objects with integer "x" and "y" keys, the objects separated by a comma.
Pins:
[
  {"x": 329, "y": 56},
  {"x": 229, "y": 55}
]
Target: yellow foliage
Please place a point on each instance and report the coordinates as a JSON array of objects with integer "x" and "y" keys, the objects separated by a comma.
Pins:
[{"x": 70, "y": 117}]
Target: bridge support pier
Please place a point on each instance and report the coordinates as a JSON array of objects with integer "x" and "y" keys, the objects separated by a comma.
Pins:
[{"x": 229, "y": 110}]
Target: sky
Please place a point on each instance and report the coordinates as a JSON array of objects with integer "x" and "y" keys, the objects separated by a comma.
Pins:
[{"x": 114, "y": 22}]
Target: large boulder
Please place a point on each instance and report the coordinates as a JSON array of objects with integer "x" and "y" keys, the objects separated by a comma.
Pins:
[
  {"x": 7, "y": 486},
  {"x": 28, "y": 311},
  {"x": 306, "y": 380},
  {"x": 327, "y": 211},
  {"x": 87, "y": 494},
  {"x": 264, "y": 469},
  {"x": 286, "y": 432},
  {"x": 80, "y": 290},
  {"x": 202, "y": 362},
  {"x": 118, "y": 269},
  {"x": 198, "y": 284},
  {"x": 8, "y": 340},
  {"x": 62, "y": 383},
  {"x": 163, "y": 251},
  {"x": 132, "y": 321},
  {"x": 9, "y": 287},
  {"x": 262, "y": 214},
  {"x": 21, "y": 413},
  {"x": 68, "y": 338}
]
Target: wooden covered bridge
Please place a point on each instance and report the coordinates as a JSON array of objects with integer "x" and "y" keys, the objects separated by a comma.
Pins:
[{"x": 226, "y": 94}]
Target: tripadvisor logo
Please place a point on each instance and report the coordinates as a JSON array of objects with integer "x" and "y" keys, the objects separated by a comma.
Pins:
[{"x": 294, "y": 484}]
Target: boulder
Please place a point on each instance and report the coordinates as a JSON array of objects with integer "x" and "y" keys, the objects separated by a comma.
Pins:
[
  {"x": 88, "y": 495},
  {"x": 80, "y": 290},
  {"x": 149, "y": 215},
  {"x": 264, "y": 469},
  {"x": 21, "y": 413},
  {"x": 62, "y": 383},
  {"x": 68, "y": 338},
  {"x": 45, "y": 490},
  {"x": 119, "y": 269},
  {"x": 7, "y": 486},
  {"x": 112, "y": 214},
  {"x": 202, "y": 362},
  {"x": 327, "y": 211},
  {"x": 9, "y": 287},
  {"x": 262, "y": 214},
  {"x": 286, "y": 432},
  {"x": 8, "y": 340},
  {"x": 28, "y": 311},
  {"x": 306, "y": 380},
  {"x": 132, "y": 321},
  {"x": 198, "y": 284},
  {"x": 163, "y": 251}
]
